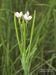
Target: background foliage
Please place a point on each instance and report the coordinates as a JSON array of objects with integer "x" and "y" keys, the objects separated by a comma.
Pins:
[{"x": 44, "y": 61}]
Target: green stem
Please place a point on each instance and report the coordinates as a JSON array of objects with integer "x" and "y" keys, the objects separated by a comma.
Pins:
[
  {"x": 32, "y": 30},
  {"x": 17, "y": 36}
]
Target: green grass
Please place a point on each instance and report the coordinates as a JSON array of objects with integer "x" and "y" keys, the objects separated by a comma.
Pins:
[{"x": 28, "y": 49}]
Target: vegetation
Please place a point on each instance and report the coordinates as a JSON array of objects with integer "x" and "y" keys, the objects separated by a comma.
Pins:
[{"x": 28, "y": 47}]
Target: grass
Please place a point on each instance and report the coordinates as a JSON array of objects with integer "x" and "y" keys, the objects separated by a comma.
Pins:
[{"x": 31, "y": 48}]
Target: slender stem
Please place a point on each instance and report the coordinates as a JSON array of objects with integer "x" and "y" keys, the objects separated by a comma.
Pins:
[
  {"x": 32, "y": 30},
  {"x": 17, "y": 34}
]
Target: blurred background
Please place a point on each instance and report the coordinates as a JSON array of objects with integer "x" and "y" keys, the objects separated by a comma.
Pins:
[{"x": 44, "y": 61}]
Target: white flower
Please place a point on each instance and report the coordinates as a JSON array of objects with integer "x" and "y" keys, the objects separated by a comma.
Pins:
[
  {"x": 18, "y": 15},
  {"x": 27, "y": 17}
]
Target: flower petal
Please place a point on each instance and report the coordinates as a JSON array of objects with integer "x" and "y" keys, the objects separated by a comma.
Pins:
[
  {"x": 21, "y": 14},
  {"x": 29, "y": 17},
  {"x": 27, "y": 13},
  {"x": 17, "y": 14}
]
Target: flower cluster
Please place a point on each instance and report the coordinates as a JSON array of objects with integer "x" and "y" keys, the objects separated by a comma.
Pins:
[{"x": 26, "y": 16}]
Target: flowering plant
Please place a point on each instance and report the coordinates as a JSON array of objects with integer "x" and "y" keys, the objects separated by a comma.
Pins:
[{"x": 25, "y": 51}]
